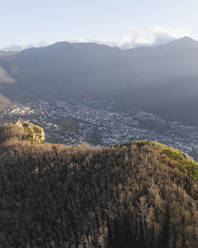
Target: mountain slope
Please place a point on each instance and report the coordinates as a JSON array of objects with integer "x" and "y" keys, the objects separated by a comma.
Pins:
[
  {"x": 4, "y": 103},
  {"x": 156, "y": 79},
  {"x": 141, "y": 194}
]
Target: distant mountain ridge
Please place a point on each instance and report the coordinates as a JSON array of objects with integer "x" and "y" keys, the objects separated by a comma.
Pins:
[
  {"x": 159, "y": 79},
  {"x": 184, "y": 42}
]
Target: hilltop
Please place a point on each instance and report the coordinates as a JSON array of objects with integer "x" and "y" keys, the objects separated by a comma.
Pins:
[{"x": 139, "y": 194}]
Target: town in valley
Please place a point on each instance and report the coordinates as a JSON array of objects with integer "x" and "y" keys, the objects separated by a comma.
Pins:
[{"x": 96, "y": 122}]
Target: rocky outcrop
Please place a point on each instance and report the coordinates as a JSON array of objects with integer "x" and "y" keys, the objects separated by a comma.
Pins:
[{"x": 33, "y": 132}]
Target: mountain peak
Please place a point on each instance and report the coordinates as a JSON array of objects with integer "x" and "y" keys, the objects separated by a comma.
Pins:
[{"x": 184, "y": 42}]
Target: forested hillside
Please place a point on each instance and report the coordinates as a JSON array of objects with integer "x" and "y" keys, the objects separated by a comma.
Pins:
[{"x": 141, "y": 194}]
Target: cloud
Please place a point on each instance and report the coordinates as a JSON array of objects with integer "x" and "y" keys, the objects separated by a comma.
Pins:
[
  {"x": 38, "y": 44},
  {"x": 97, "y": 40},
  {"x": 13, "y": 48},
  {"x": 18, "y": 48},
  {"x": 151, "y": 36}
]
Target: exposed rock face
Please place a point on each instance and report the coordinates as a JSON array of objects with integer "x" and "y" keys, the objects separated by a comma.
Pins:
[{"x": 35, "y": 133}]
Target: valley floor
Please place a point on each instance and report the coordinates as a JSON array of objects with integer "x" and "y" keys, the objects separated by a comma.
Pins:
[{"x": 97, "y": 123}]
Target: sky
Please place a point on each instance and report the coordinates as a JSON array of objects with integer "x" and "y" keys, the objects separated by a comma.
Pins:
[{"x": 126, "y": 23}]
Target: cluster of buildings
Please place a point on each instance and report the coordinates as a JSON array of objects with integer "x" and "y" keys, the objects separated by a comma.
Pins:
[{"x": 97, "y": 123}]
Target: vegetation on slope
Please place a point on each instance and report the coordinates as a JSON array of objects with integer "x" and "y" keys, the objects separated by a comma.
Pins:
[
  {"x": 133, "y": 195},
  {"x": 170, "y": 156}
]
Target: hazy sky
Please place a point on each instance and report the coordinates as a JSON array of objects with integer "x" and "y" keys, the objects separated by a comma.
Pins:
[{"x": 25, "y": 22}]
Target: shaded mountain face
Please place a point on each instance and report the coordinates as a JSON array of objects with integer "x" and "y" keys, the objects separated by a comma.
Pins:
[
  {"x": 156, "y": 79},
  {"x": 5, "y": 76},
  {"x": 4, "y": 103},
  {"x": 140, "y": 194}
]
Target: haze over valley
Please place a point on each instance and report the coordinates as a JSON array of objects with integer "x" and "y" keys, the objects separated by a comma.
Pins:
[{"x": 85, "y": 92}]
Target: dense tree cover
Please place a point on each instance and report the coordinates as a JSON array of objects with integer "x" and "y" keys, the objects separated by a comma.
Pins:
[{"x": 133, "y": 195}]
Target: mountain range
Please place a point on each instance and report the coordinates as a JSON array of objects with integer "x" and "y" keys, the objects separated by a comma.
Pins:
[{"x": 162, "y": 79}]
